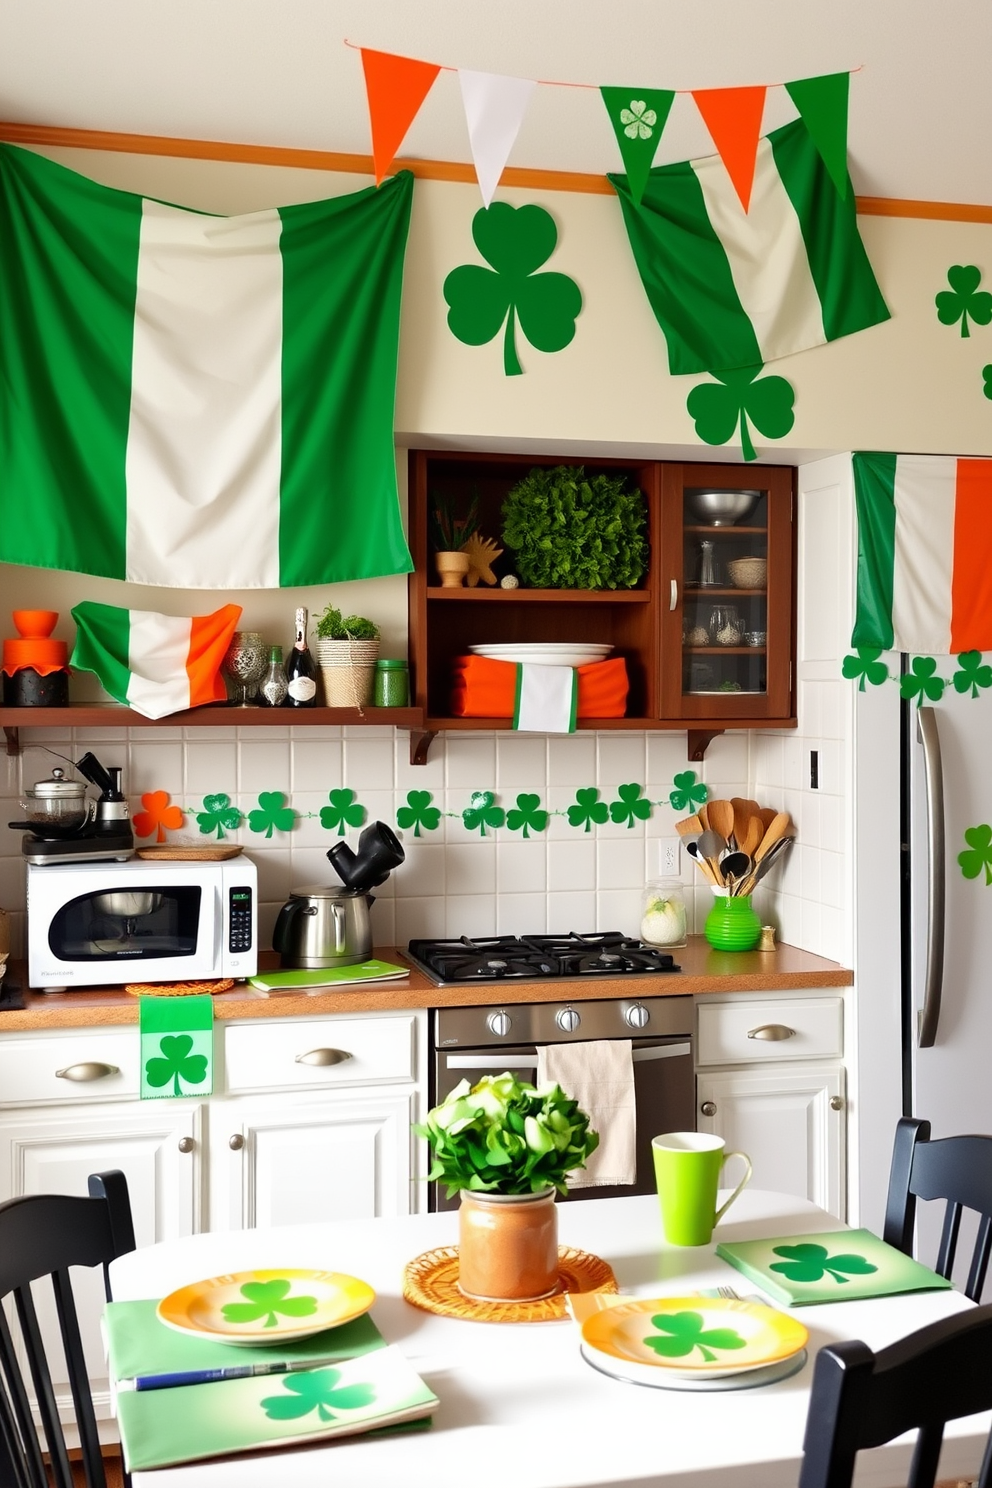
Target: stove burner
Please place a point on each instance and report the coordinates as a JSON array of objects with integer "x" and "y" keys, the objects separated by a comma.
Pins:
[{"x": 535, "y": 957}]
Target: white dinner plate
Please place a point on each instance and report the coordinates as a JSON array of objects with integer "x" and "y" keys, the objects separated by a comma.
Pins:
[
  {"x": 550, "y": 653},
  {"x": 664, "y": 1379}
]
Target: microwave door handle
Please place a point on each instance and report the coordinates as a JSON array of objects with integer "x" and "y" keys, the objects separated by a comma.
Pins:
[{"x": 929, "y": 737}]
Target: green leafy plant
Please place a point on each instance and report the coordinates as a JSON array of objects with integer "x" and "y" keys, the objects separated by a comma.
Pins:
[
  {"x": 272, "y": 814},
  {"x": 344, "y": 811},
  {"x": 631, "y": 807},
  {"x": 964, "y": 298},
  {"x": 573, "y": 531},
  {"x": 418, "y": 812},
  {"x": 331, "y": 627},
  {"x": 866, "y": 665},
  {"x": 502, "y": 1136},
  {"x": 177, "y": 1063},
  {"x": 588, "y": 808},
  {"x": 266, "y": 1299},
  {"x": 688, "y": 793},
  {"x": 482, "y": 812},
  {"x": 737, "y": 395},
  {"x": 449, "y": 531},
  {"x": 685, "y": 1332},
  {"x": 316, "y": 1389},
  {"x": 812, "y": 1262},
  {"x": 217, "y": 814},
  {"x": 971, "y": 863},
  {"x": 973, "y": 674},
  {"x": 921, "y": 682},
  {"x": 527, "y": 814}
]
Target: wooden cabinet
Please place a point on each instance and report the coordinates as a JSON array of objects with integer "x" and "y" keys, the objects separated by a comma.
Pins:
[{"x": 738, "y": 675}]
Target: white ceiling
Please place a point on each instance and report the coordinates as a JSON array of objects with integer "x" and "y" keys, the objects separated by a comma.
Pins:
[{"x": 278, "y": 72}]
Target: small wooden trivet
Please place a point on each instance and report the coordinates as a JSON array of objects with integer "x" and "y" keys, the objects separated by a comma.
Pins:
[
  {"x": 430, "y": 1281},
  {"x": 177, "y": 989},
  {"x": 180, "y": 854}
]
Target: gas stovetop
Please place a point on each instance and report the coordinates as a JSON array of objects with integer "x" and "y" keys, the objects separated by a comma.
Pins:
[{"x": 538, "y": 957}]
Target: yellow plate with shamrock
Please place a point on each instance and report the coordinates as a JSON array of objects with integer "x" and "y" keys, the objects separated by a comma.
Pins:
[
  {"x": 693, "y": 1336},
  {"x": 256, "y": 1307}
]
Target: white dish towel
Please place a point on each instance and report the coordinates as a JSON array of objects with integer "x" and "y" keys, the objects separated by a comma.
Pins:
[{"x": 600, "y": 1076}]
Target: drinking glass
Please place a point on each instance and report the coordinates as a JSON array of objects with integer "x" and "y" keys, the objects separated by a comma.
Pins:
[{"x": 245, "y": 661}]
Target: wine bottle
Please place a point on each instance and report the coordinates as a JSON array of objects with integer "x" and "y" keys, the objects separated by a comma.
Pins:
[{"x": 301, "y": 669}]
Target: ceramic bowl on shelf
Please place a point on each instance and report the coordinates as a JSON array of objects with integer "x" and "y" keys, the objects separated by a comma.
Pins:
[
  {"x": 721, "y": 508},
  {"x": 546, "y": 653},
  {"x": 748, "y": 573}
]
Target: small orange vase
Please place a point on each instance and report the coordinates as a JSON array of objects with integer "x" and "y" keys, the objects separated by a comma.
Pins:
[{"x": 508, "y": 1246}]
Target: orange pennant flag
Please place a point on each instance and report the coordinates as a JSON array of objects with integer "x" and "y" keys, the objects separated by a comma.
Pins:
[
  {"x": 396, "y": 87},
  {"x": 733, "y": 118}
]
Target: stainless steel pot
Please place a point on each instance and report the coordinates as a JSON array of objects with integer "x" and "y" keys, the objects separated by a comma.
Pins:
[{"x": 322, "y": 925}]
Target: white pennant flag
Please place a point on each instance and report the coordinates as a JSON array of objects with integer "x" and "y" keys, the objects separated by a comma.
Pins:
[{"x": 494, "y": 111}]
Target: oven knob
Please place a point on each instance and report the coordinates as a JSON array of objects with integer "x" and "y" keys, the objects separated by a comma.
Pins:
[
  {"x": 499, "y": 1023},
  {"x": 568, "y": 1020},
  {"x": 636, "y": 1016}
]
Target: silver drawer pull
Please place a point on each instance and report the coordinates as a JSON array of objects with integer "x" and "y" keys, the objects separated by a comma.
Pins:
[
  {"x": 323, "y": 1056},
  {"x": 88, "y": 1069},
  {"x": 772, "y": 1032}
]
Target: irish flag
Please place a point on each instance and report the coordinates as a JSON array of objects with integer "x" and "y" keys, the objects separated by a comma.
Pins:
[
  {"x": 155, "y": 664},
  {"x": 198, "y": 401},
  {"x": 731, "y": 288},
  {"x": 924, "y": 553}
]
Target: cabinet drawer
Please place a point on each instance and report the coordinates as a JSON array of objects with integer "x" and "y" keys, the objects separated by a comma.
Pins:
[
  {"x": 319, "y": 1052},
  {"x": 97, "y": 1064},
  {"x": 738, "y": 1033}
]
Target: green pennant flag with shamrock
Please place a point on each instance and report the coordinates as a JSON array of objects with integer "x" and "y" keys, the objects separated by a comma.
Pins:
[
  {"x": 638, "y": 116},
  {"x": 177, "y": 1046}
]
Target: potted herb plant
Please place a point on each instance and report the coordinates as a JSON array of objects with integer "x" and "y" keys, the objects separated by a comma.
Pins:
[
  {"x": 448, "y": 534},
  {"x": 347, "y": 651},
  {"x": 571, "y": 530},
  {"x": 507, "y": 1147}
]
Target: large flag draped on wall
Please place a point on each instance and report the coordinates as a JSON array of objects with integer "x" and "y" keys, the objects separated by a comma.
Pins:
[
  {"x": 736, "y": 288},
  {"x": 924, "y": 553},
  {"x": 198, "y": 401}
]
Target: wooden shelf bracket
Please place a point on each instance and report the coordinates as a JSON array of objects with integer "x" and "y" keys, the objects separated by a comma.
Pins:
[
  {"x": 698, "y": 741},
  {"x": 420, "y": 744}
]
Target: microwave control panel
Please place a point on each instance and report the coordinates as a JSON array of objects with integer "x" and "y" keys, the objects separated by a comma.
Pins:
[{"x": 239, "y": 920}]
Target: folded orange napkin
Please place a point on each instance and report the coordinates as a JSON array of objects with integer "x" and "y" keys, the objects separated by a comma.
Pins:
[{"x": 487, "y": 689}]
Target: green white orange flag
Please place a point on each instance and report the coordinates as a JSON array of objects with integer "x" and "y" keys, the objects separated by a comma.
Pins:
[
  {"x": 155, "y": 664},
  {"x": 924, "y": 553},
  {"x": 196, "y": 401}
]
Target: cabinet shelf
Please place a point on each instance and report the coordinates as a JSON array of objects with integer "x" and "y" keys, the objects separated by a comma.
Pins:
[
  {"x": 725, "y": 650},
  {"x": 714, "y": 591},
  {"x": 542, "y": 596},
  {"x": 704, "y": 531}
]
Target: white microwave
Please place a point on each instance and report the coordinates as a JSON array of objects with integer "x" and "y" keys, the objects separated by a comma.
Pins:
[{"x": 100, "y": 924}]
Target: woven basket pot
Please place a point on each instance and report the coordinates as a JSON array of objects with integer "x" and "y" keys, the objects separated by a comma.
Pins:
[{"x": 348, "y": 672}]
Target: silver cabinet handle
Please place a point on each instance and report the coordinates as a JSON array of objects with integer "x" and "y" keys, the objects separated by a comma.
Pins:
[
  {"x": 926, "y": 725},
  {"x": 236, "y": 1142},
  {"x": 708, "y": 1108},
  {"x": 186, "y": 1144},
  {"x": 673, "y": 594},
  {"x": 323, "y": 1056},
  {"x": 88, "y": 1069},
  {"x": 771, "y": 1032}
]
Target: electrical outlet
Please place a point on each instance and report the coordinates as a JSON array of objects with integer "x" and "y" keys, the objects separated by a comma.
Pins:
[{"x": 668, "y": 857}]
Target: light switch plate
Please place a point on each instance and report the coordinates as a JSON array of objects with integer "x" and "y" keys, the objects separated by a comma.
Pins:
[{"x": 669, "y": 863}]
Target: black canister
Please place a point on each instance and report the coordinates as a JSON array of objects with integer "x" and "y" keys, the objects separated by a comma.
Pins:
[{"x": 27, "y": 688}]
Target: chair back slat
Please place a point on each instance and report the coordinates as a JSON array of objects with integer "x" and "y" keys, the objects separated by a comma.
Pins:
[
  {"x": 16, "y": 1428},
  {"x": 89, "y": 1435},
  {"x": 980, "y": 1259},
  {"x": 957, "y": 1170},
  {"x": 44, "y": 1392},
  {"x": 926, "y": 1456},
  {"x": 947, "y": 1249}
]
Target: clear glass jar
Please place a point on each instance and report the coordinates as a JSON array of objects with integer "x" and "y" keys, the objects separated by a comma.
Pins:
[{"x": 663, "y": 916}]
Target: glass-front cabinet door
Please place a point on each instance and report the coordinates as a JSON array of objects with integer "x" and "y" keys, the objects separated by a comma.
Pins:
[{"x": 727, "y": 597}]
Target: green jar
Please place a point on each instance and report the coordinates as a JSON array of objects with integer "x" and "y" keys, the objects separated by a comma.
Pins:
[
  {"x": 392, "y": 683},
  {"x": 732, "y": 925}
]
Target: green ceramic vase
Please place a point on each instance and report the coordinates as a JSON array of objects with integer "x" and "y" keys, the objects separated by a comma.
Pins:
[{"x": 732, "y": 925}]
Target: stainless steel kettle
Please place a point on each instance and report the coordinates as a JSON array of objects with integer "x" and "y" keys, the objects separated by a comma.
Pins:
[{"x": 323, "y": 925}]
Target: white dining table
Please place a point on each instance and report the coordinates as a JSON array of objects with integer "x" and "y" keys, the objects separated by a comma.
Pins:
[{"x": 519, "y": 1407}]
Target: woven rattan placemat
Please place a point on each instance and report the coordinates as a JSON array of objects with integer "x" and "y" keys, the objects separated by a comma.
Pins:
[{"x": 430, "y": 1281}]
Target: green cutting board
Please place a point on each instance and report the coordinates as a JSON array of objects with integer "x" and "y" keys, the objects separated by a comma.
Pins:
[{"x": 327, "y": 977}]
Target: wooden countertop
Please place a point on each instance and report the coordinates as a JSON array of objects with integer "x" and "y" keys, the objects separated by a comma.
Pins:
[{"x": 703, "y": 970}]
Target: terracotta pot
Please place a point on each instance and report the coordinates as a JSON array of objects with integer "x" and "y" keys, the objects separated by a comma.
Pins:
[
  {"x": 452, "y": 568},
  {"x": 508, "y": 1246}
]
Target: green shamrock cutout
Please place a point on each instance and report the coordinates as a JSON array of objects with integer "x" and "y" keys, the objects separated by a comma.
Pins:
[
  {"x": 516, "y": 241},
  {"x": 813, "y": 1262},
  {"x": 631, "y": 805},
  {"x": 972, "y": 675},
  {"x": 987, "y": 380},
  {"x": 588, "y": 808},
  {"x": 979, "y": 839},
  {"x": 482, "y": 813},
  {"x": 176, "y": 1063},
  {"x": 272, "y": 813},
  {"x": 920, "y": 682},
  {"x": 344, "y": 811},
  {"x": 865, "y": 665},
  {"x": 686, "y": 1332},
  {"x": 687, "y": 793},
  {"x": 314, "y": 1389},
  {"x": 528, "y": 814},
  {"x": 217, "y": 814},
  {"x": 418, "y": 812},
  {"x": 736, "y": 395},
  {"x": 265, "y": 1300},
  {"x": 964, "y": 298}
]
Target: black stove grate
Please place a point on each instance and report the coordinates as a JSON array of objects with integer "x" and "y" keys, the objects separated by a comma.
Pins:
[{"x": 535, "y": 957}]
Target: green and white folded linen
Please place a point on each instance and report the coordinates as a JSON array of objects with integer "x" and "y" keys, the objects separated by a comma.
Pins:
[
  {"x": 546, "y": 699},
  {"x": 177, "y": 1046}
]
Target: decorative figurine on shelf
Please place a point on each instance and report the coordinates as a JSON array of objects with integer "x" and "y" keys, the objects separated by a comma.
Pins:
[{"x": 482, "y": 554}]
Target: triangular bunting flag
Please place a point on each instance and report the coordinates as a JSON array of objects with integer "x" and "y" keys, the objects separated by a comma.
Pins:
[
  {"x": 733, "y": 118},
  {"x": 638, "y": 116},
  {"x": 494, "y": 111},
  {"x": 396, "y": 87},
  {"x": 822, "y": 102}
]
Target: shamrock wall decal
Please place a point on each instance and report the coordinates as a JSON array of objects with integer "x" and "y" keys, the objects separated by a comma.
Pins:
[
  {"x": 272, "y": 813},
  {"x": 964, "y": 298},
  {"x": 157, "y": 816},
  {"x": 516, "y": 241},
  {"x": 687, "y": 793},
  {"x": 973, "y": 674},
  {"x": 686, "y": 1331},
  {"x": 971, "y": 863},
  {"x": 866, "y": 665},
  {"x": 344, "y": 811},
  {"x": 631, "y": 805},
  {"x": 176, "y": 1063},
  {"x": 217, "y": 814},
  {"x": 588, "y": 808},
  {"x": 266, "y": 1299},
  {"x": 987, "y": 380},
  {"x": 737, "y": 395},
  {"x": 528, "y": 814},
  {"x": 316, "y": 1389},
  {"x": 920, "y": 682},
  {"x": 812, "y": 1262},
  {"x": 418, "y": 812},
  {"x": 482, "y": 812}
]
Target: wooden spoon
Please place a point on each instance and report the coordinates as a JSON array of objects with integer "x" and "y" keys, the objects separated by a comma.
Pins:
[
  {"x": 712, "y": 846},
  {"x": 742, "y": 818},
  {"x": 709, "y": 873},
  {"x": 752, "y": 836},
  {"x": 779, "y": 826},
  {"x": 768, "y": 815},
  {"x": 721, "y": 817},
  {"x": 703, "y": 815},
  {"x": 689, "y": 826}
]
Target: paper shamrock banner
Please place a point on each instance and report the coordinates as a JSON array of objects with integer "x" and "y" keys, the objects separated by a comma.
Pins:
[
  {"x": 733, "y": 118},
  {"x": 396, "y": 87},
  {"x": 494, "y": 111},
  {"x": 177, "y": 1043},
  {"x": 156, "y": 816},
  {"x": 964, "y": 298},
  {"x": 738, "y": 395},
  {"x": 638, "y": 116},
  {"x": 822, "y": 104},
  {"x": 978, "y": 854},
  {"x": 516, "y": 241}
]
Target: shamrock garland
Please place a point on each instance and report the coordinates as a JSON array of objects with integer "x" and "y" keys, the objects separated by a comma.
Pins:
[
  {"x": 978, "y": 854},
  {"x": 964, "y": 299},
  {"x": 922, "y": 681},
  {"x": 738, "y": 394}
]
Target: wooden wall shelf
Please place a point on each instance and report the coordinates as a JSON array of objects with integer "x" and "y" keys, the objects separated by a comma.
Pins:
[{"x": 545, "y": 596}]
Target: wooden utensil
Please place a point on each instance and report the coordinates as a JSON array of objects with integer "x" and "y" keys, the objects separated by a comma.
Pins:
[
  {"x": 752, "y": 836},
  {"x": 689, "y": 826},
  {"x": 768, "y": 815},
  {"x": 721, "y": 818},
  {"x": 779, "y": 826},
  {"x": 760, "y": 869},
  {"x": 704, "y": 817},
  {"x": 742, "y": 820},
  {"x": 709, "y": 873},
  {"x": 712, "y": 847}
]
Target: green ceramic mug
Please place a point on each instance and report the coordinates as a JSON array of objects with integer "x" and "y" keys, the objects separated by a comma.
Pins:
[{"x": 687, "y": 1169}]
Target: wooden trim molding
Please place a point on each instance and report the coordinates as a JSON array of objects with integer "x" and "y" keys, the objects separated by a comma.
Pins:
[{"x": 587, "y": 183}]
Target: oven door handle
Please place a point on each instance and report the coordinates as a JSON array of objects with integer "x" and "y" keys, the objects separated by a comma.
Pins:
[{"x": 529, "y": 1061}]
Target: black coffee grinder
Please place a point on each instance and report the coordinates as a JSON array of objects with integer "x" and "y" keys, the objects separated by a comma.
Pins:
[{"x": 64, "y": 827}]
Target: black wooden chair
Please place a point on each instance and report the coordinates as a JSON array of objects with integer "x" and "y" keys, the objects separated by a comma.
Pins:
[
  {"x": 42, "y": 1235},
  {"x": 956, "y": 1169},
  {"x": 861, "y": 1399}
]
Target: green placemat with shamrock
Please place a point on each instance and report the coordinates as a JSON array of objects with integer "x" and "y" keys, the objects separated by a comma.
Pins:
[
  {"x": 177, "y": 1046},
  {"x": 839, "y": 1266}
]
